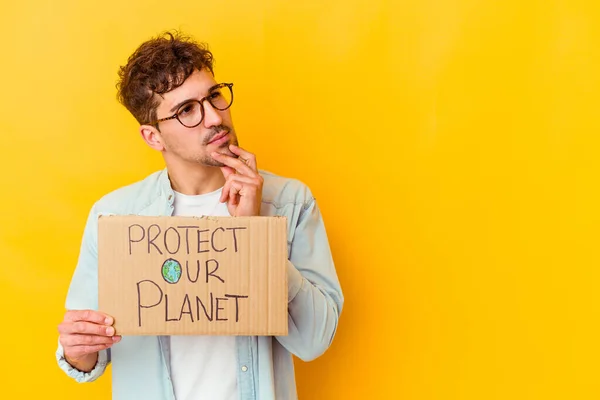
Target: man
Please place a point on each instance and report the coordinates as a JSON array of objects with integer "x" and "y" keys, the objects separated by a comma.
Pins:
[{"x": 169, "y": 86}]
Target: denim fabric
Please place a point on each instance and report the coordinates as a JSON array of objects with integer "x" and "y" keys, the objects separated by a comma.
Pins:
[{"x": 140, "y": 364}]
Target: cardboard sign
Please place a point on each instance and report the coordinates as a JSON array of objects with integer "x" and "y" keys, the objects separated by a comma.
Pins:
[{"x": 191, "y": 275}]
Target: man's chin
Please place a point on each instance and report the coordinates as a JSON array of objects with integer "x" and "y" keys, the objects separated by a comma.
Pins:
[
  {"x": 224, "y": 150},
  {"x": 212, "y": 163}
]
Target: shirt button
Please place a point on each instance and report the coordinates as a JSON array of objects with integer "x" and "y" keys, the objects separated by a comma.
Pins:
[{"x": 244, "y": 368}]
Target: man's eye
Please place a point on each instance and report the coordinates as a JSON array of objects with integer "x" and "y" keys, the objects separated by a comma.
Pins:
[
  {"x": 215, "y": 95},
  {"x": 186, "y": 109}
]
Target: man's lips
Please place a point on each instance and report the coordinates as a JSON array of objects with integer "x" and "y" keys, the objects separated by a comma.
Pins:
[{"x": 219, "y": 138}]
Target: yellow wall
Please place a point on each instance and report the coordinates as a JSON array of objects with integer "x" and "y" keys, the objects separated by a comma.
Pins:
[{"x": 452, "y": 144}]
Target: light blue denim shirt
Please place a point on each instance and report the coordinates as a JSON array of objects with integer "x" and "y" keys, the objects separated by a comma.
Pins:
[{"x": 140, "y": 364}]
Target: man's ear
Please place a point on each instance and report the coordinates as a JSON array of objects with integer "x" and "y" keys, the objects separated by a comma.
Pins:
[{"x": 152, "y": 137}]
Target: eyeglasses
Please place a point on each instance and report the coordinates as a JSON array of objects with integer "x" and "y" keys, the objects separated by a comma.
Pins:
[{"x": 191, "y": 113}]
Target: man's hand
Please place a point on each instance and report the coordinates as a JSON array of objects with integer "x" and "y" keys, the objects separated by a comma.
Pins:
[
  {"x": 83, "y": 333},
  {"x": 243, "y": 183}
]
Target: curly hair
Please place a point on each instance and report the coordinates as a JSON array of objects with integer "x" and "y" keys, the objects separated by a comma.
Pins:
[{"x": 159, "y": 65}]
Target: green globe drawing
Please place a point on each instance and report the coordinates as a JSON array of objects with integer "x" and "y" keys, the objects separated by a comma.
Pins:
[{"x": 171, "y": 270}]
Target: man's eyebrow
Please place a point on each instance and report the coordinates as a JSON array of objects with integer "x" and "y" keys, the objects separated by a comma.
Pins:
[{"x": 176, "y": 106}]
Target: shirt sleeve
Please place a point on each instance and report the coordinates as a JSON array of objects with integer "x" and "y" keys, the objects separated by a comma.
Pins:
[
  {"x": 315, "y": 297},
  {"x": 80, "y": 376},
  {"x": 83, "y": 295}
]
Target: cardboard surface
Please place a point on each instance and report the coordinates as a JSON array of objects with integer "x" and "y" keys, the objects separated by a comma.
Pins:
[{"x": 189, "y": 275}]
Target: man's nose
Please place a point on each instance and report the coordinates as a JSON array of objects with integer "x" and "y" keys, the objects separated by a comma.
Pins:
[{"x": 212, "y": 117}]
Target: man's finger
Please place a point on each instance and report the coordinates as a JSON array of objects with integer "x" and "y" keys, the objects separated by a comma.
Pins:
[
  {"x": 89, "y": 316},
  {"x": 243, "y": 179},
  {"x": 234, "y": 199},
  {"x": 87, "y": 328},
  {"x": 227, "y": 171},
  {"x": 240, "y": 181},
  {"x": 87, "y": 340},
  {"x": 246, "y": 155},
  {"x": 234, "y": 192},
  {"x": 234, "y": 163},
  {"x": 225, "y": 192},
  {"x": 80, "y": 351}
]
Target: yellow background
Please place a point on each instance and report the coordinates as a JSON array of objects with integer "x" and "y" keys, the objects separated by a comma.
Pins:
[{"x": 452, "y": 146}]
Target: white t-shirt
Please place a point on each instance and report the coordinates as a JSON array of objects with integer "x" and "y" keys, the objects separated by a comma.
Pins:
[{"x": 203, "y": 367}]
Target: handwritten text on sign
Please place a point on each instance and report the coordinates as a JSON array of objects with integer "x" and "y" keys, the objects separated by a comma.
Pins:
[
  {"x": 171, "y": 269},
  {"x": 178, "y": 275}
]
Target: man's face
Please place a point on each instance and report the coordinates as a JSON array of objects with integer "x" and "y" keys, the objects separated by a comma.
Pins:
[{"x": 214, "y": 134}]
